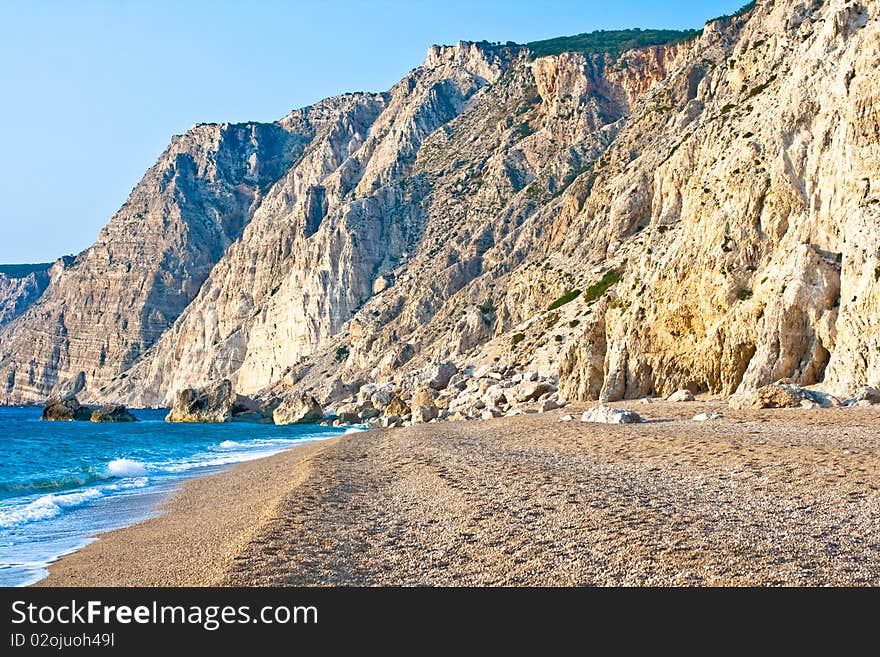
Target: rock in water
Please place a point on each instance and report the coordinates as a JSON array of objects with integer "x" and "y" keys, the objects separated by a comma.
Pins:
[
  {"x": 298, "y": 409},
  {"x": 609, "y": 415},
  {"x": 681, "y": 396},
  {"x": 65, "y": 409},
  {"x": 245, "y": 409},
  {"x": 112, "y": 413},
  {"x": 253, "y": 417},
  {"x": 208, "y": 404}
]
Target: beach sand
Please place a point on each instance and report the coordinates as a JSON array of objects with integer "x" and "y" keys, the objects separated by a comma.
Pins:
[{"x": 773, "y": 497}]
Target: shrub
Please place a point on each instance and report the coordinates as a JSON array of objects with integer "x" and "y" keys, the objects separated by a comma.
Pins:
[
  {"x": 613, "y": 42},
  {"x": 517, "y": 338},
  {"x": 569, "y": 296},
  {"x": 744, "y": 294},
  {"x": 746, "y": 8},
  {"x": 524, "y": 129},
  {"x": 596, "y": 290},
  {"x": 342, "y": 353},
  {"x": 761, "y": 87}
]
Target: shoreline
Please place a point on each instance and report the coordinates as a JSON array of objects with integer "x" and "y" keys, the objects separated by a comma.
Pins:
[
  {"x": 773, "y": 497},
  {"x": 65, "y": 483},
  {"x": 184, "y": 541}
]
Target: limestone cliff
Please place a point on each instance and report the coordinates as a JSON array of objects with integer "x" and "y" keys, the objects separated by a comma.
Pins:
[
  {"x": 20, "y": 286},
  {"x": 740, "y": 204},
  {"x": 701, "y": 215},
  {"x": 116, "y": 298},
  {"x": 352, "y": 208}
]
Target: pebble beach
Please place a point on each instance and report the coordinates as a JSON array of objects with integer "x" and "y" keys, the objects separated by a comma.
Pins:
[{"x": 775, "y": 497}]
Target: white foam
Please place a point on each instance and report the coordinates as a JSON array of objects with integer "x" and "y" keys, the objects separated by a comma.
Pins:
[
  {"x": 126, "y": 468},
  {"x": 233, "y": 452},
  {"x": 47, "y": 506},
  {"x": 133, "y": 475},
  {"x": 52, "y": 506},
  {"x": 205, "y": 462},
  {"x": 128, "y": 484},
  {"x": 354, "y": 430}
]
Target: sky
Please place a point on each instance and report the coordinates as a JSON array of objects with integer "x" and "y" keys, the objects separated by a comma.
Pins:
[{"x": 91, "y": 92}]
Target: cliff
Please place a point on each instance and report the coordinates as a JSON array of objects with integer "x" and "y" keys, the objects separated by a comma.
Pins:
[
  {"x": 98, "y": 317},
  {"x": 20, "y": 286},
  {"x": 703, "y": 215}
]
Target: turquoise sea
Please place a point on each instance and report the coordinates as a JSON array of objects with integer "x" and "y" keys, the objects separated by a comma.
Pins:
[{"x": 61, "y": 483}]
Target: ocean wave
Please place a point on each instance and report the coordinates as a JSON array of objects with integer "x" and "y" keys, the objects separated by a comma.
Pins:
[
  {"x": 126, "y": 468},
  {"x": 57, "y": 482},
  {"x": 53, "y": 505},
  {"x": 230, "y": 452},
  {"x": 47, "y": 506},
  {"x": 128, "y": 484},
  {"x": 125, "y": 474},
  {"x": 208, "y": 460},
  {"x": 48, "y": 484},
  {"x": 263, "y": 443}
]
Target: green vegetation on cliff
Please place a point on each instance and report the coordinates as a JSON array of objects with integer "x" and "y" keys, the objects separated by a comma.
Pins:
[
  {"x": 609, "y": 41},
  {"x": 745, "y": 9}
]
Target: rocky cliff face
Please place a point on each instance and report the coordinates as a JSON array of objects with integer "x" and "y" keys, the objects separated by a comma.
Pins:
[
  {"x": 20, "y": 286},
  {"x": 351, "y": 209},
  {"x": 99, "y": 316},
  {"x": 740, "y": 206},
  {"x": 703, "y": 215}
]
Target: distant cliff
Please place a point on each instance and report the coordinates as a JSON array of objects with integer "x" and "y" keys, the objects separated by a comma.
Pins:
[
  {"x": 703, "y": 213},
  {"x": 22, "y": 285}
]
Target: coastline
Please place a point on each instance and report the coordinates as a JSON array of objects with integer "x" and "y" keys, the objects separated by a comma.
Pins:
[
  {"x": 64, "y": 483},
  {"x": 194, "y": 532},
  {"x": 772, "y": 497}
]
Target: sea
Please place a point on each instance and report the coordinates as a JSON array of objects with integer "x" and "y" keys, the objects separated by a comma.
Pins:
[{"x": 63, "y": 483}]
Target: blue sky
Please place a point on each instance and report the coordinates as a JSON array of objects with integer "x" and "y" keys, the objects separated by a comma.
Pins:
[{"x": 92, "y": 91}]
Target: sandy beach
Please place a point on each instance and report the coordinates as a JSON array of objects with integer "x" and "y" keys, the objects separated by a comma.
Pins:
[{"x": 772, "y": 497}]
